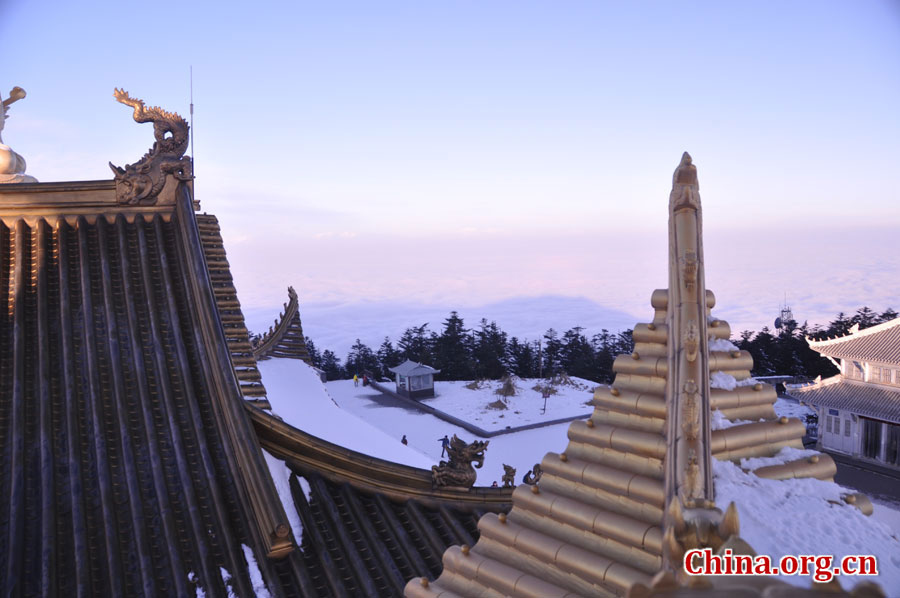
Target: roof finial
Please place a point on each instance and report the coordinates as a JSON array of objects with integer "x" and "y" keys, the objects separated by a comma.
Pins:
[
  {"x": 12, "y": 165},
  {"x": 685, "y": 188}
]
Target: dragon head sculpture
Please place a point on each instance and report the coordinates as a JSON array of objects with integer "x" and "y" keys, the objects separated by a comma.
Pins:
[
  {"x": 460, "y": 469},
  {"x": 141, "y": 182}
]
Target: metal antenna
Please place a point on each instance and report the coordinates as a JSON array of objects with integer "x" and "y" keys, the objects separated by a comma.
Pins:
[{"x": 193, "y": 160}]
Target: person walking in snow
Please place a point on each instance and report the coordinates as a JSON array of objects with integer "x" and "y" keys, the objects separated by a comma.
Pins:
[
  {"x": 445, "y": 445},
  {"x": 403, "y": 440},
  {"x": 355, "y": 380}
]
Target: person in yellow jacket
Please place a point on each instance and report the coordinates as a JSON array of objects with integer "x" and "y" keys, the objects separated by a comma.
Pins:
[{"x": 355, "y": 380}]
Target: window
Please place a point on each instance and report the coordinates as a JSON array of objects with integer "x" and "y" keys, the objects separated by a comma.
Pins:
[
  {"x": 847, "y": 428},
  {"x": 418, "y": 382},
  {"x": 871, "y": 440},
  {"x": 892, "y": 450},
  {"x": 874, "y": 374},
  {"x": 855, "y": 370}
]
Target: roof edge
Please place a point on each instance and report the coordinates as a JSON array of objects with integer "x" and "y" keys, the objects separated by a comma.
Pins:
[{"x": 813, "y": 344}]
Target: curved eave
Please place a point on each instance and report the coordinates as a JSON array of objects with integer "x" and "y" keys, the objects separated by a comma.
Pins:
[
  {"x": 880, "y": 343},
  {"x": 277, "y": 332},
  {"x": 398, "y": 482},
  {"x": 869, "y": 400}
]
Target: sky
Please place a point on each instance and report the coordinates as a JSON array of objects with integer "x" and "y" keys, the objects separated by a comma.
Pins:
[{"x": 456, "y": 155}]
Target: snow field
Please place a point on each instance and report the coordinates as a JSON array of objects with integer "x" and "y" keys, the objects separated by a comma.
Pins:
[
  {"x": 474, "y": 404},
  {"x": 778, "y": 517}
]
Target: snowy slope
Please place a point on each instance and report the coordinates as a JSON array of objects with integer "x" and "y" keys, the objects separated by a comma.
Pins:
[
  {"x": 299, "y": 398},
  {"x": 521, "y": 449},
  {"x": 794, "y": 517},
  {"x": 777, "y": 517}
]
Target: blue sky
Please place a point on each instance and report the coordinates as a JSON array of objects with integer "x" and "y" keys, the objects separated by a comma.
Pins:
[{"x": 407, "y": 139}]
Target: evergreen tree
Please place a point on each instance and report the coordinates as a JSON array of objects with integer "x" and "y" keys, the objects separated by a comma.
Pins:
[
  {"x": 812, "y": 363},
  {"x": 577, "y": 355},
  {"x": 388, "y": 357},
  {"x": 414, "y": 345},
  {"x": 552, "y": 354},
  {"x": 452, "y": 351},
  {"x": 489, "y": 351},
  {"x": 865, "y": 317},
  {"x": 604, "y": 345},
  {"x": 331, "y": 365},
  {"x": 840, "y": 326},
  {"x": 625, "y": 342},
  {"x": 786, "y": 360},
  {"x": 314, "y": 356},
  {"x": 522, "y": 359},
  {"x": 764, "y": 352},
  {"x": 887, "y": 315},
  {"x": 361, "y": 360}
]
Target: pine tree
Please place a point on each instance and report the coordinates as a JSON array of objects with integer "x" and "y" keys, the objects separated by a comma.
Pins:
[
  {"x": 625, "y": 342},
  {"x": 388, "y": 357},
  {"x": 577, "y": 355},
  {"x": 314, "y": 356},
  {"x": 331, "y": 365},
  {"x": 887, "y": 315},
  {"x": 603, "y": 345},
  {"x": 839, "y": 326},
  {"x": 414, "y": 345},
  {"x": 361, "y": 360},
  {"x": 522, "y": 359},
  {"x": 452, "y": 351},
  {"x": 489, "y": 351},
  {"x": 552, "y": 354},
  {"x": 865, "y": 317}
]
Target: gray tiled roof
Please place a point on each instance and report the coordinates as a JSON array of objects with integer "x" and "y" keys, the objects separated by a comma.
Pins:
[
  {"x": 870, "y": 400},
  {"x": 411, "y": 368},
  {"x": 879, "y": 344}
]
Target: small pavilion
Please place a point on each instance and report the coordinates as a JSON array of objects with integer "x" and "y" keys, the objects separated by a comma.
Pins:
[{"x": 415, "y": 380}]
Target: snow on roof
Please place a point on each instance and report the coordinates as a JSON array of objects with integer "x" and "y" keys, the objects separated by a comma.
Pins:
[
  {"x": 871, "y": 400},
  {"x": 411, "y": 368},
  {"x": 298, "y": 396},
  {"x": 879, "y": 343},
  {"x": 807, "y": 516}
]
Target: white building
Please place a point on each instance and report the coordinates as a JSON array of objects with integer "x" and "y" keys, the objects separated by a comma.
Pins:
[
  {"x": 415, "y": 380},
  {"x": 859, "y": 409}
]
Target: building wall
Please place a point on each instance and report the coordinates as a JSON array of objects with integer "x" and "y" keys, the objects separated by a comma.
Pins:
[{"x": 839, "y": 431}]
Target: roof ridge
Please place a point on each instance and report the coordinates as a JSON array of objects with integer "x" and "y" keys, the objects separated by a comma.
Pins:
[{"x": 854, "y": 334}]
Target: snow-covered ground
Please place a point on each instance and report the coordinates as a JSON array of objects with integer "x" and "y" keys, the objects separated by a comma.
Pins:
[
  {"x": 423, "y": 432},
  {"x": 360, "y": 419},
  {"x": 299, "y": 398},
  {"x": 807, "y": 516},
  {"x": 778, "y": 517},
  {"x": 479, "y": 403}
]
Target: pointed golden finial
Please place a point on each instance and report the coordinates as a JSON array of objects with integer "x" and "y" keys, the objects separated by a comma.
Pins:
[
  {"x": 685, "y": 188},
  {"x": 672, "y": 546},
  {"x": 731, "y": 522},
  {"x": 676, "y": 516}
]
